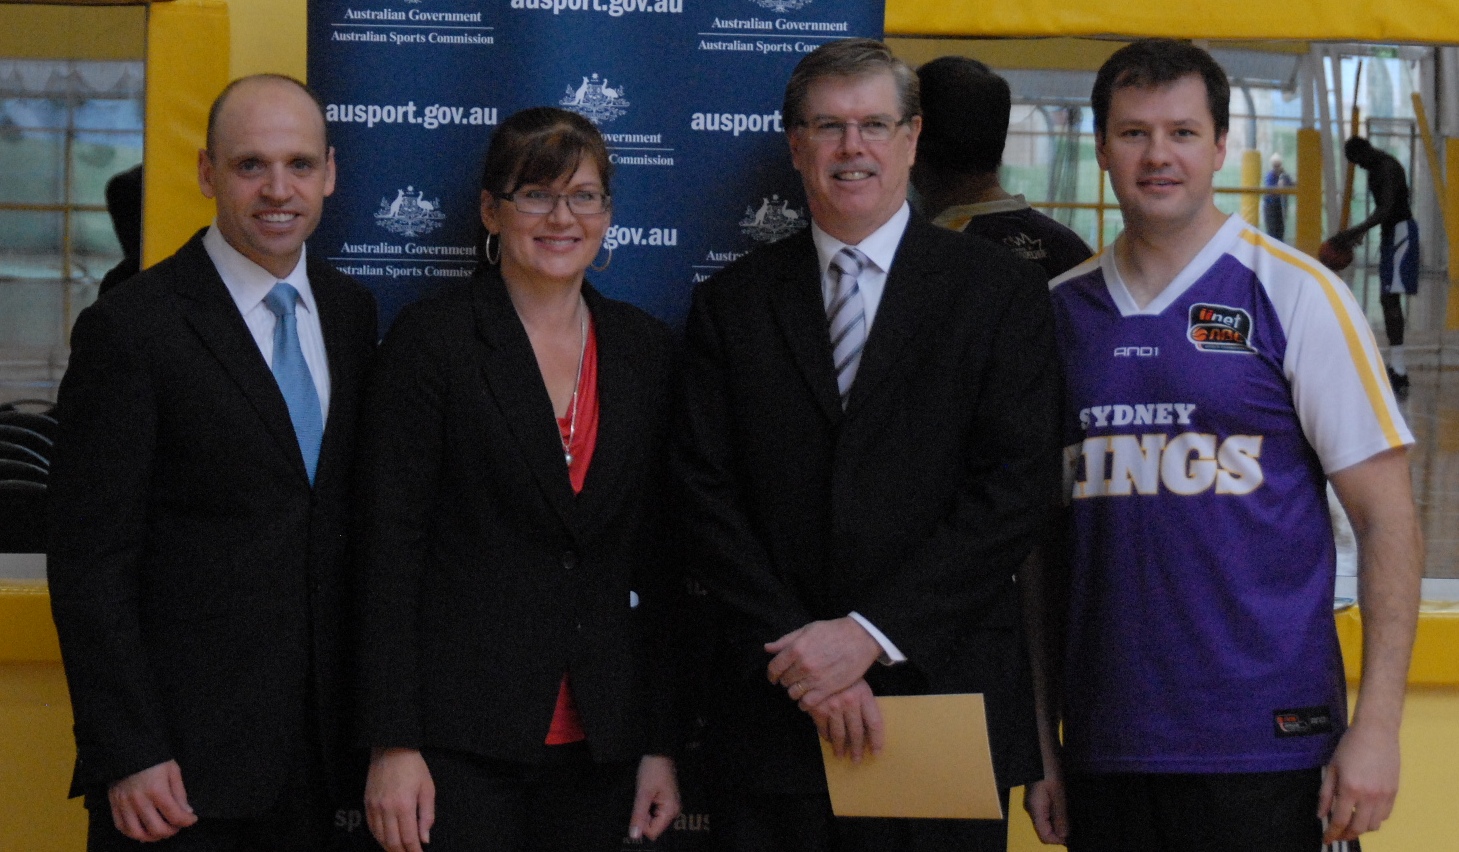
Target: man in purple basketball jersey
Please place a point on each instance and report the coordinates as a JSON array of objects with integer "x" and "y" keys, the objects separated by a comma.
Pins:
[{"x": 1216, "y": 378}]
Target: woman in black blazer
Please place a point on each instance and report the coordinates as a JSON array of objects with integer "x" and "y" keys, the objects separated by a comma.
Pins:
[{"x": 514, "y": 691}]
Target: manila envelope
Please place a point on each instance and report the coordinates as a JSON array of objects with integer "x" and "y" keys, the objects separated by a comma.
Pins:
[{"x": 936, "y": 763}]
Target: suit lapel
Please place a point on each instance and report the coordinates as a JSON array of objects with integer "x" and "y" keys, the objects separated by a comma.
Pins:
[
  {"x": 796, "y": 301},
  {"x": 207, "y": 306},
  {"x": 620, "y": 405},
  {"x": 900, "y": 316},
  {"x": 341, "y": 355},
  {"x": 511, "y": 371}
]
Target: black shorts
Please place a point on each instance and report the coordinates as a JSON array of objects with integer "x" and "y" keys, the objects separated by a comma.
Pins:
[{"x": 1216, "y": 812}]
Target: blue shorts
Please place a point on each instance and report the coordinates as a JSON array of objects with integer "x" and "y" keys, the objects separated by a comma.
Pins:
[{"x": 1398, "y": 259}]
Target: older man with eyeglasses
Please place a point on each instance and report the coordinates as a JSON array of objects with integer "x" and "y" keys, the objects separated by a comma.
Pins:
[{"x": 866, "y": 447}]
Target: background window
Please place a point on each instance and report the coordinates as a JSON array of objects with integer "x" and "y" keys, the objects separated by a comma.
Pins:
[{"x": 66, "y": 128}]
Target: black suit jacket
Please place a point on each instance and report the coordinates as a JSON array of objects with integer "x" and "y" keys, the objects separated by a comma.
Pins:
[
  {"x": 485, "y": 577},
  {"x": 913, "y": 507},
  {"x": 196, "y": 578}
]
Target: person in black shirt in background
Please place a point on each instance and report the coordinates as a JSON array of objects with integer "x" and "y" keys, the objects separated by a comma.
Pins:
[
  {"x": 1398, "y": 253},
  {"x": 965, "y": 125},
  {"x": 124, "y": 204}
]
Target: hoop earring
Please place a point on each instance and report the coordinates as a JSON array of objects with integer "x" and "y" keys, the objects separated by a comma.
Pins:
[
  {"x": 605, "y": 263},
  {"x": 487, "y": 249}
]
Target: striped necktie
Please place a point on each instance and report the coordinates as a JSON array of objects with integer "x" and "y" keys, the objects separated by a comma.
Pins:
[
  {"x": 292, "y": 373},
  {"x": 847, "y": 316}
]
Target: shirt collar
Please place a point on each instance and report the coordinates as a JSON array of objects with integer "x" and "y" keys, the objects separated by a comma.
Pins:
[
  {"x": 247, "y": 282},
  {"x": 880, "y": 246},
  {"x": 957, "y": 217}
]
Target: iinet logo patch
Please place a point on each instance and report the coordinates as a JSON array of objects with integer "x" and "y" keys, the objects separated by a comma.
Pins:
[{"x": 1219, "y": 328}]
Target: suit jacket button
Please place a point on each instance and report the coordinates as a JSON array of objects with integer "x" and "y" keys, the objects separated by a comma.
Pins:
[{"x": 569, "y": 560}]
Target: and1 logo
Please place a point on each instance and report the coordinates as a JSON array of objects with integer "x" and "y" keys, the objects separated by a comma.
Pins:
[
  {"x": 1219, "y": 328},
  {"x": 1303, "y": 721},
  {"x": 773, "y": 220},
  {"x": 595, "y": 100},
  {"x": 409, "y": 215}
]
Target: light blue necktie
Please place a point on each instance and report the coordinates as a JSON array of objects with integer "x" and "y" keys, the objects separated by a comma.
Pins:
[
  {"x": 847, "y": 317},
  {"x": 292, "y": 373}
]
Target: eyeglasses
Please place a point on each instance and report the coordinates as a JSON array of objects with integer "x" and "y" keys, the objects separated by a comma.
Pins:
[
  {"x": 871, "y": 130},
  {"x": 539, "y": 202}
]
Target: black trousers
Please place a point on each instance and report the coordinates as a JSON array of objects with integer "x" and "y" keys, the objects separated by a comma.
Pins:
[
  {"x": 755, "y": 823},
  {"x": 566, "y": 804},
  {"x": 1217, "y": 812}
]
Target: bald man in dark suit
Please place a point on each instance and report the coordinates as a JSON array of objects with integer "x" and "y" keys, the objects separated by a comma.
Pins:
[{"x": 199, "y": 508}]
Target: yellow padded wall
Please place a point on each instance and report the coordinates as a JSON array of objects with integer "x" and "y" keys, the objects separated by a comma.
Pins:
[{"x": 187, "y": 65}]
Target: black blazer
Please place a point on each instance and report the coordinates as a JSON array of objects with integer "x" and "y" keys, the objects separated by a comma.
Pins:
[
  {"x": 913, "y": 507},
  {"x": 196, "y": 578},
  {"x": 485, "y": 578}
]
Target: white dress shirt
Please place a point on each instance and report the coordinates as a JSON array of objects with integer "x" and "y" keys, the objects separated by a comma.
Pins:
[
  {"x": 248, "y": 284},
  {"x": 880, "y": 246}
]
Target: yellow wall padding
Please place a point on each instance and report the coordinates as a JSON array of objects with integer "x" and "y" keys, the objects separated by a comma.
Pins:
[
  {"x": 1434, "y": 660},
  {"x": 1428, "y": 775},
  {"x": 1347, "y": 20},
  {"x": 268, "y": 37},
  {"x": 36, "y": 749},
  {"x": 187, "y": 66},
  {"x": 36, "y": 755},
  {"x": 1309, "y": 190},
  {"x": 73, "y": 32},
  {"x": 1251, "y": 177},
  {"x": 26, "y": 632},
  {"x": 28, "y": 636}
]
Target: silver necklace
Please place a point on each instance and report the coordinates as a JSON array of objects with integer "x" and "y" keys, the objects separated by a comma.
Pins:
[{"x": 572, "y": 427}]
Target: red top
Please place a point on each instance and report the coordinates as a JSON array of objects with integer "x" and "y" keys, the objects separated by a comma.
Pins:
[{"x": 567, "y": 725}]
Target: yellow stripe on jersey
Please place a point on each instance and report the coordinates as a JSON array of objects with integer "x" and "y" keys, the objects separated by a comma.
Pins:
[
  {"x": 1084, "y": 268},
  {"x": 1351, "y": 335}
]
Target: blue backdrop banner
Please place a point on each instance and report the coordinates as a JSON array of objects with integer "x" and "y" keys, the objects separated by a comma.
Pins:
[{"x": 687, "y": 94}]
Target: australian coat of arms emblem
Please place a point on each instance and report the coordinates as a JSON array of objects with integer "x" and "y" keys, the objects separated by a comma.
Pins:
[
  {"x": 595, "y": 100},
  {"x": 774, "y": 219},
  {"x": 782, "y": 5},
  {"x": 409, "y": 215}
]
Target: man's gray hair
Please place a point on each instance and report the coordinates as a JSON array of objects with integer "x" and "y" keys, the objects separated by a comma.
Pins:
[{"x": 853, "y": 57}]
